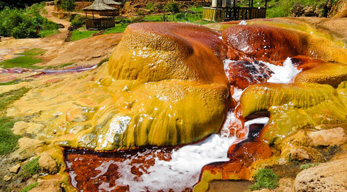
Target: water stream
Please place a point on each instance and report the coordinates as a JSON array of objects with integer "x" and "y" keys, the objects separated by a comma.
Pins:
[{"x": 165, "y": 169}]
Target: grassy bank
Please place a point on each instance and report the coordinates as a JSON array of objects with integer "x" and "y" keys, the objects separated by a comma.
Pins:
[{"x": 27, "y": 59}]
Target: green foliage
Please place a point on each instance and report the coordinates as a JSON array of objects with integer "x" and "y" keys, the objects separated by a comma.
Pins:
[
  {"x": 196, "y": 9},
  {"x": 308, "y": 165},
  {"x": 30, "y": 187},
  {"x": 68, "y": 5},
  {"x": 22, "y": 23},
  {"x": 77, "y": 21},
  {"x": 32, "y": 167},
  {"x": 78, "y": 35},
  {"x": 171, "y": 7},
  {"x": 26, "y": 61},
  {"x": 284, "y": 8},
  {"x": 150, "y": 6},
  {"x": 8, "y": 141},
  {"x": 265, "y": 178}
]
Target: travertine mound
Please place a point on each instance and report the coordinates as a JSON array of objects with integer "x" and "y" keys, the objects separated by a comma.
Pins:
[{"x": 164, "y": 85}]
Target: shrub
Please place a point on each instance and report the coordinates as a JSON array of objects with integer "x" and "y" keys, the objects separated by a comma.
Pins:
[
  {"x": 171, "y": 7},
  {"x": 150, "y": 6},
  {"x": 68, "y": 5},
  {"x": 265, "y": 178},
  {"x": 77, "y": 21},
  {"x": 22, "y": 23}
]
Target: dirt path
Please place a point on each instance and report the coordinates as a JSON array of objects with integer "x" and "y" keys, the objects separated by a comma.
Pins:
[{"x": 49, "y": 16}]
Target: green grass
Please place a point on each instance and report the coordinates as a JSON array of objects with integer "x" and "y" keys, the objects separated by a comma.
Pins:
[
  {"x": 119, "y": 28},
  {"x": 27, "y": 60},
  {"x": 46, "y": 33},
  {"x": 60, "y": 66},
  {"x": 78, "y": 35},
  {"x": 11, "y": 82},
  {"x": 33, "y": 52},
  {"x": 32, "y": 167},
  {"x": 23, "y": 61},
  {"x": 8, "y": 98},
  {"x": 29, "y": 187},
  {"x": 103, "y": 61},
  {"x": 8, "y": 141},
  {"x": 265, "y": 178},
  {"x": 308, "y": 165}
]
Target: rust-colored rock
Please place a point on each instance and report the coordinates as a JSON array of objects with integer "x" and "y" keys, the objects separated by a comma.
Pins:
[
  {"x": 244, "y": 73},
  {"x": 263, "y": 42}
]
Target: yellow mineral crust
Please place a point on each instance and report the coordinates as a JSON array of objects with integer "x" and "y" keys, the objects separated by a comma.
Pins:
[
  {"x": 325, "y": 73},
  {"x": 295, "y": 106},
  {"x": 173, "y": 92}
]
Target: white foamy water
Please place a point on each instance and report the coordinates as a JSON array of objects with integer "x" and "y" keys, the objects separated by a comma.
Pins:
[
  {"x": 283, "y": 74},
  {"x": 182, "y": 170}
]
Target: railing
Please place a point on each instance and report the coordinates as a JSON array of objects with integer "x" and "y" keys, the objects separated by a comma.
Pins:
[
  {"x": 232, "y": 13},
  {"x": 100, "y": 23}
]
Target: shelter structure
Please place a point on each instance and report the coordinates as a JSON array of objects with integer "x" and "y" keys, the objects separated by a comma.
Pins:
[
  {"x": 227, "y": 10},
  {"x": 106, "y": 12},
  {"x": 114, "y": 4}
]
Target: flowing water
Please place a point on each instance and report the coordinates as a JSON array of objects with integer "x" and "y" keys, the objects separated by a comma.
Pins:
[{"x": 166, "y": 169}]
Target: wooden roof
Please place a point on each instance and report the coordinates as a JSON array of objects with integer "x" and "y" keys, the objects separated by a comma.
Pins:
[
  {"x": 99, "y": 5},
  {"x": 111, "y": 2}
]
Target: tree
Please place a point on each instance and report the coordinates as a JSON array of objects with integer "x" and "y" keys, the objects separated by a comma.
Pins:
[{"x": 68, "y": 5}]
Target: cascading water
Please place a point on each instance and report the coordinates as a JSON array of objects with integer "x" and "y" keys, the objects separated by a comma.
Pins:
[{"x": 153, "y": 169}]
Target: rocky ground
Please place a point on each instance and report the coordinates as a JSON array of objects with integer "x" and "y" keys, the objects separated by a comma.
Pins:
[{"x": 326, "y": 167}]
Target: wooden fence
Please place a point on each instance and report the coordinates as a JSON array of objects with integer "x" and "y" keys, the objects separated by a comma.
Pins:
[
  {"x": 232, "y": 13},
  {"x": 100, "y": 23}
]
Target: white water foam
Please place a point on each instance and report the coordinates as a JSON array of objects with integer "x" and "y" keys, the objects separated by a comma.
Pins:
[{"x": 282, "y": 74}]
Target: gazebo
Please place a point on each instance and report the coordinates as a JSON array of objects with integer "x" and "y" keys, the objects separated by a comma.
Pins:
[
  {"x": 227, "y": 10},
  {"x": 102, "y": 9},
  {"x": 113, "y": 4}
]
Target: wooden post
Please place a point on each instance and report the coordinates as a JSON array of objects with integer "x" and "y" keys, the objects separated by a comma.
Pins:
[{"x": 234, "y": 10}]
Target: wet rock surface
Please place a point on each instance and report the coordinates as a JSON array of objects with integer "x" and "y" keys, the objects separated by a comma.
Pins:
[{"x": 165, "y": 85}]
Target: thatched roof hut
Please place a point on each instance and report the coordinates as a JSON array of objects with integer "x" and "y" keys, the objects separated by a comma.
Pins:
[
  {"x": 99, "y": 6},
  {"x": 111, "y": 2}
]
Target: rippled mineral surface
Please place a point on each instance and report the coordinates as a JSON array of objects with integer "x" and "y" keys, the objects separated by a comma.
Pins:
[{"x": 178, "y": 106}]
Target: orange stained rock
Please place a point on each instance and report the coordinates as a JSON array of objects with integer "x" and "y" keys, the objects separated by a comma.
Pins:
[
  {"x": 274, "y": 42},
  {"x": 94, "y": 171},
  {"x": 244, "y": 73},
  {"x": 242, "y": 156},
  {"x": 161, "y": 51},
  {"x": 263, "y": 42}
]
